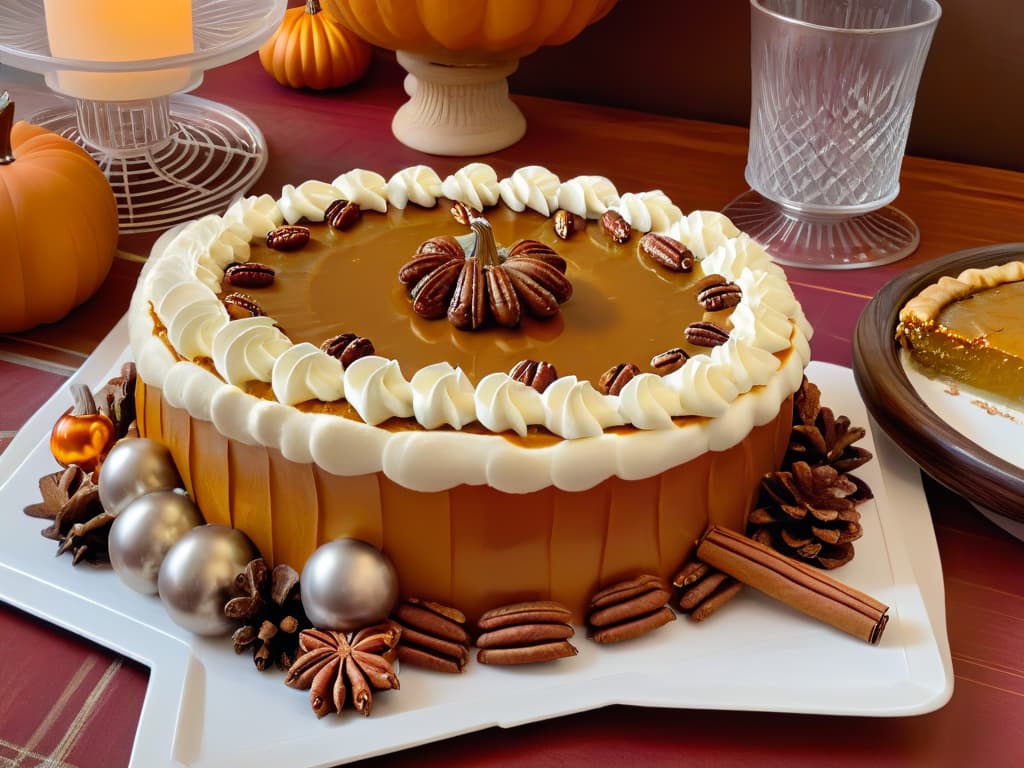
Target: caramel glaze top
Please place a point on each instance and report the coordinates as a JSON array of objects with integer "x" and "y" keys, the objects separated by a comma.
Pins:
[{"x": 624, "y": 307}]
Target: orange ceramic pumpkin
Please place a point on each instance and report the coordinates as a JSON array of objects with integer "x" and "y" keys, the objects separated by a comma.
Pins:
[
  {"x": 58, "y": 224},
  {"x": 459, "y": 31},
  {"x": 312, "y": 50}
]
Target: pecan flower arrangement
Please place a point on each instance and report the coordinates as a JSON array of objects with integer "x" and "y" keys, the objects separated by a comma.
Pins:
[{"x": 485, "y": 283}]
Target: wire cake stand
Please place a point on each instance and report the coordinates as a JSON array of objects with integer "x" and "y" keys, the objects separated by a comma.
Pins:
[{"x": 169, "y": 157}]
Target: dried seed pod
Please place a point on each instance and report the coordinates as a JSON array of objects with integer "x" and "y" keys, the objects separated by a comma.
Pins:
[
  {"x": 342, "y": 214},
  {"x": 706, "y": 334},
  {"x": 539, "y": 375},
  {"x": 249, "y": 275},
  {"x": 666, "y": 251},
  {"x": 615, "y": 378},
  {"x": 616, "y": 227},
  {"x": 290, "y": 237}
]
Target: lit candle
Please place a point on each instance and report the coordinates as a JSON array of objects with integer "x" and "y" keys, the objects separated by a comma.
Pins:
[{"x": 119, "y": 30}]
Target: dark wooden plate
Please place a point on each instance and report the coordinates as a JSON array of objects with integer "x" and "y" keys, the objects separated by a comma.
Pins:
[{"x": 944, "y": 453}]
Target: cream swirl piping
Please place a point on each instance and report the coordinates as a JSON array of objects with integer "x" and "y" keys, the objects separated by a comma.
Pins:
[
  {"x": 476, "y": 185},
  {"x": 442, "y": 394},
  {"x": 503, "y": 404},
  {"x": 574, "y": 409},
  {"x": 245, "y": 350},
  {"x": 649, "y": 211},
  {"x": 366, "y": 189},
  {"x": 532, "y": 187},
  {"x": 259, "y": 215},
  {"x": 376, "y": 389},
  {"x": 417, "y": 184},
  {"x": 303, "y": 373},
  {"x": 587, "y": 196}
]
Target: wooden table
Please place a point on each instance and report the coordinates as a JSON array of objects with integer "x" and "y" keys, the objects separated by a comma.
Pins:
[{"x": 78, "y": 704}]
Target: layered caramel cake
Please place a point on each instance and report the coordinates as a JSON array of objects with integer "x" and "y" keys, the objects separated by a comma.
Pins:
[
  {"x": 518, "y": 388},
  {"x": 969, "y": 328}
]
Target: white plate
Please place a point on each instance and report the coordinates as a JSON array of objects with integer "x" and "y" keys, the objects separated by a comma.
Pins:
[{"x": 207, "y": 707}]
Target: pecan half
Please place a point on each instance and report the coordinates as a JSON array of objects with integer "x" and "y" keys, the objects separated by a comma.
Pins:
[
  {"x": 533, "y": 249},
  {"x": 249, "y": 275},
  {"x": 715, "y": 293},
  {"x": 629, "y": 609},
  {"x": 541, "y": 287},
  {"x": 567, "y": 223},
  {"x": 347, "y": 347},
  {"x": 462, "y": 213},
  {"x": 342, "y": 214},
  {"x": 616, "y": 227},
  {"x": 467, "y": 309},
  {"x": 290, "y": 237},
  {"x": 669, "y": 360},
  {"x": 539, "y": 375},
  {"x": 432, "y": 293},
  {"x": 501, "y": 297},
  {"x": 615, "y": 378},
  {"x": 666, "y": 251},
  {"x": 433, "y": 636},
  {"x": 525, "y": 633},
  {"x": 706, "y": 334},
  {"x": 702, "y": 589},
  {"x": 240, "y": 305}
]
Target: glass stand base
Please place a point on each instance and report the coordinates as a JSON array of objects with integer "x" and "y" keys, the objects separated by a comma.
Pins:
[
  {"x": 168, "y": 162},
  {"x": 825, "y": 242}
]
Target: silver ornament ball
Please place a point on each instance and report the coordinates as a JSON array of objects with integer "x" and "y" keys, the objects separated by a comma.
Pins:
[
  {"x": 347, "y": 584},
  {"x": 133, "y": 468},
  {"x": 197, "y": 575},
  {"x": 143, "y": 533}
]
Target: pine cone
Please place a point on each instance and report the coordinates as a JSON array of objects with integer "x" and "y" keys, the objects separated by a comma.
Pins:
[
  {"x": 820, "y": 437},
  {"x": 72, "y": 501},
  {"x": 809, "y": 514},
  {"x": 270, "y": 611}
]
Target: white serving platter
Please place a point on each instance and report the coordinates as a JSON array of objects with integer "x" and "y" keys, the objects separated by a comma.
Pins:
[{"x": 206, "y": 707}]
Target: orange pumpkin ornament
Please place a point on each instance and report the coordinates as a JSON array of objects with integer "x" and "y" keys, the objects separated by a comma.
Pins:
[
  {"x": 312, "y": 50},
  {"x": 82, "y": 436},
  {"x": 58, "y": 224}
]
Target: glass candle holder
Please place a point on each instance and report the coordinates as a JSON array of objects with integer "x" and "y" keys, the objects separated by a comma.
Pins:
[{"x": 833, "y": 84}]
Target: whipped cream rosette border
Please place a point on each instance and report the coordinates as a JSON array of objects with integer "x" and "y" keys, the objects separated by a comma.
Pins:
[{"x": 736, "y": 386}]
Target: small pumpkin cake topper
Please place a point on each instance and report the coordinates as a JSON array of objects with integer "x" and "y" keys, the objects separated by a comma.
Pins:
[{"x": 485, "y": 283}]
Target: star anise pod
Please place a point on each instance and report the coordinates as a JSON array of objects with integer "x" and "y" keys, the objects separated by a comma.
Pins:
[
  {"x": 72, "y": 501},
  {"x": 339, "y": 667},
  {"x": 271, "y": 613},
  {"x": 487, "y": 283},
  {"x": 820, "y": 437},
  {"x": 808, "y": 513}
]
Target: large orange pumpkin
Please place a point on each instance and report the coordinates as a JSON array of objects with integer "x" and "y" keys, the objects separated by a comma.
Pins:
[
  {"x": 311, "y": 50},
  {"x": 58, "y": 224},
  {"x": 463, "y": 31}
]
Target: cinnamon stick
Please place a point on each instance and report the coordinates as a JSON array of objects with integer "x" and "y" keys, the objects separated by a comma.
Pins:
[{"x": 798, "y": 585}]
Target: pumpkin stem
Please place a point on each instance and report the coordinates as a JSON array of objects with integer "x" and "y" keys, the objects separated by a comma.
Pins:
[
  {"x": 85, "y": 403},
  {"x": 6, "y": 123},
  {"x": 312, "y": 7},
  {"x": 485, "y": 249}
]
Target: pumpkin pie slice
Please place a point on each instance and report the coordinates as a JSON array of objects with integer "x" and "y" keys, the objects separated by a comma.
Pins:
[{"x": 970, "y": 328}]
